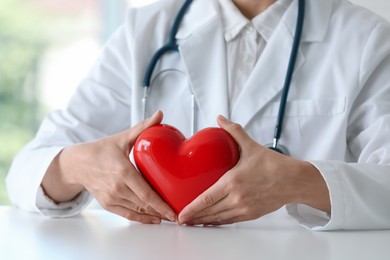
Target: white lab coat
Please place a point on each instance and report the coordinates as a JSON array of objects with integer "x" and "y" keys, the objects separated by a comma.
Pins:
[{"x": 338, "y": 111}]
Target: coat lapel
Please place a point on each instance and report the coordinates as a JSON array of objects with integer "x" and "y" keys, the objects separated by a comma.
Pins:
[
  {"x": 267, "y": 79},
  {"x": 203, "y": 51}
]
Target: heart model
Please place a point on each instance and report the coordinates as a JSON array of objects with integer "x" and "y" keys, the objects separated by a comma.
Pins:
[{"x": 180, "y": 169}]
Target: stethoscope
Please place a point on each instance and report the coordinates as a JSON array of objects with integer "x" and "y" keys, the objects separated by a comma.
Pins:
[{"x": 172, "y": 45}]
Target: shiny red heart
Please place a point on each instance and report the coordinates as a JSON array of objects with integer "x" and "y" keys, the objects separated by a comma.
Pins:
[{"x": 180, "y": 169}]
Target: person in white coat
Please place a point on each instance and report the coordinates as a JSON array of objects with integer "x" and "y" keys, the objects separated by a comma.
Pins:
[{"x": 233, "y": 58}]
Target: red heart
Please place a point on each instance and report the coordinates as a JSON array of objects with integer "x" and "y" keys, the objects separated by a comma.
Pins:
[{"x": 180, "y": 169}]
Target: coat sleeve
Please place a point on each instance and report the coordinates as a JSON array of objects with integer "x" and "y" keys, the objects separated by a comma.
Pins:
[
  {"x": 99, "y": 107},
  {"x": 360, "y": 189}
]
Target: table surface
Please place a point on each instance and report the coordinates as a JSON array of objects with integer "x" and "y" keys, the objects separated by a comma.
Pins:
[{"x": 97, "y": 234}]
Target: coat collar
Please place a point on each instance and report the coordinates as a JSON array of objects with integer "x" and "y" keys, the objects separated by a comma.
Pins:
[
  {"x": 203, "y": 51},
  {"x": 200, "y": 14},
  {"x": 317, "y": 18}
]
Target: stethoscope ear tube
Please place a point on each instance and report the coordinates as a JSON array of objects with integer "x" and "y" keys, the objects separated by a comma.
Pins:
[{"x": 171, "y": 45}]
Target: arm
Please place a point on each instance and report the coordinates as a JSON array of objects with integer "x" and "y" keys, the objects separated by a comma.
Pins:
[{"x": 360, "y": 186}]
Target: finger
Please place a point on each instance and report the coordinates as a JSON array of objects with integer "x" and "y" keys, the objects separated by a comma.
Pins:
[
  {"x": 207, "y": 199},
  {"x": 124, "y": 197},
  {"x": 132, "y": 215},
  {"x": 235, "y": 130},
  {"x": 139, "y": 207},
  {"x": 148, "y": 196},
  {"x": 218, "y": 207},
  {"x": 126, "y": 194},
  {"x": 231, "y": 221},
  {"x": 129, "y": 136},
  {"x": 217, "y": 213},
  {"x": 119, "y": 193},
  {"x": 135, "y": 131},
  {"x": 219, "y": 218}
]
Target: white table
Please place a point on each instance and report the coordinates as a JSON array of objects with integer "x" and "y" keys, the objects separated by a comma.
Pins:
[{"x": 97, "y": 234}]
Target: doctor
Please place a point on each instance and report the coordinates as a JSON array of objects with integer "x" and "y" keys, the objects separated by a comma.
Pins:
[{"x": 233, "y": 60}]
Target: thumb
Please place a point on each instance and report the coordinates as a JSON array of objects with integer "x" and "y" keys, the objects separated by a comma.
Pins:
[
  {"x": 129, "y": 136},
  {"x": 235, "y": 130}
]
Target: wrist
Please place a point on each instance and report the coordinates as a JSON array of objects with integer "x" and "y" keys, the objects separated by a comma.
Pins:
[
  {"x": 58, "y": 183},
  {"x": 309, "y": 187},
  {"x": 65, "y": 167}
]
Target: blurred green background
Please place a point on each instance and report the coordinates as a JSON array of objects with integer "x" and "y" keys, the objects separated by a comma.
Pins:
[
  {"x": 40, "y": 40},
  {"x": 22, "y": 40}
]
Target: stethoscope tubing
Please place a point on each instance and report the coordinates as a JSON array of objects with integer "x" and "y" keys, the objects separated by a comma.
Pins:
[
  {"x": 290, "y": 72},
  {"x": 171, "y": 45}
]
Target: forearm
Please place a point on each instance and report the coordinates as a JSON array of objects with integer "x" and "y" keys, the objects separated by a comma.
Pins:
[{"x": 56, "y": 184}]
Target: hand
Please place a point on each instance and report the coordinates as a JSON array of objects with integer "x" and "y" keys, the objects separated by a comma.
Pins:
[
  {"x": 261, "y": 182},
  {"x": 104, "y": 169}
]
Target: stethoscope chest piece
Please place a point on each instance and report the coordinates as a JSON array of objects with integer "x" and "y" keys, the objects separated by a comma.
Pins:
[{"x": 279, "y": 149}]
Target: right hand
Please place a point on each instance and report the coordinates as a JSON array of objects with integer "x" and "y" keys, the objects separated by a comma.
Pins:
[{"x": 104, "y": 169}]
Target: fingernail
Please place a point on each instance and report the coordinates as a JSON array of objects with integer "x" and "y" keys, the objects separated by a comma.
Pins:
[
  {"x": 183, "y": 219},
  {"x": 170, "y": 217},
  {"x": 222, "y": 118}
]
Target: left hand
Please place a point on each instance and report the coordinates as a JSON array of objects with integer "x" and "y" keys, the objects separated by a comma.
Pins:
[{"x": 261, "y": 182}]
